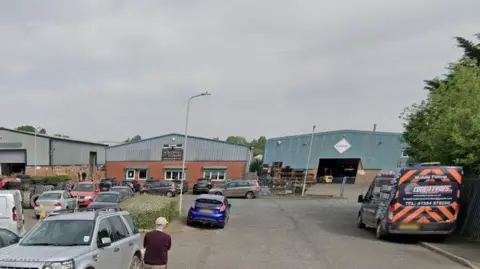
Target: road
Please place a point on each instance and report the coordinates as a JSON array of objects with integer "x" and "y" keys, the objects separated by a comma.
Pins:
[
  {"x": 295, "y": 234},
  {"x": 313, "y": 234}
]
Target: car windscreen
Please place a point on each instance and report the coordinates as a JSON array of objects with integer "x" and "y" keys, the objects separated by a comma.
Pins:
[
  {"x": 107, "y": 197},
  {"x": 83, "y": 187},
  {"x": 50, "y": 196},
  {"x": 207, "y": 203},
  {"x": 423, "y": 193},
  {"x": 63, "y": 232}
]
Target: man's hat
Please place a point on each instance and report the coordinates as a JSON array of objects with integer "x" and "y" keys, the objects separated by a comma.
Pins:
[{"x": 161, "y": 221}]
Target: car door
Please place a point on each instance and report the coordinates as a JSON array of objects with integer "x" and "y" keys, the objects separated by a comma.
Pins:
[
  {"x": 368, "y": 207},
  {"x": 229, "y": 189},
  {"x": 109, "y": 256},
  {"x": 120, "y": 237}
]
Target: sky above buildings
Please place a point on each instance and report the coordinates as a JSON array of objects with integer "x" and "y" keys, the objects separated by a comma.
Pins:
[{"x": 107, "y": 70}]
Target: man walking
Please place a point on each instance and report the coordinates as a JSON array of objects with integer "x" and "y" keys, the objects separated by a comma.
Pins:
[{"x": 157, "y": 244}]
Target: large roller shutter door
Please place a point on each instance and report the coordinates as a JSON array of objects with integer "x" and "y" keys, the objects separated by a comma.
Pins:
[{"x": 12, "y": 156}]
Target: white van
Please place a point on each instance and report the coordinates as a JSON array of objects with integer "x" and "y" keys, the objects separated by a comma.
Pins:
[{"x": 11, "y": 211}]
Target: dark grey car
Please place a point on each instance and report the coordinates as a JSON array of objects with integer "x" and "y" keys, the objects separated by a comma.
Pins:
[
  {"x": 166, "y": 188},
  {"x": 127, "y": 191},
  {"x": 106, "y": 199}
]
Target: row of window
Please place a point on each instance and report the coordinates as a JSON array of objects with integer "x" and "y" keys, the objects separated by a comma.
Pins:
[{"x": 142, "y": 174}]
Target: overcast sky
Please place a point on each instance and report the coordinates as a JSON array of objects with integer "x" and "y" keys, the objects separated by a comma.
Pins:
[{"x": 106, "y": 70}]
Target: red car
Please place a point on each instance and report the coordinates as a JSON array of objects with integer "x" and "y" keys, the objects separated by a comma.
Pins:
[{"x": 85, "y": 192}]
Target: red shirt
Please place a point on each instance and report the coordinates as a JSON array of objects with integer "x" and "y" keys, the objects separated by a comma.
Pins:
[{"x": 156, "y": 244}]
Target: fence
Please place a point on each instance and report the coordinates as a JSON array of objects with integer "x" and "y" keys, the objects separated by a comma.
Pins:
[{"x": 468, "y": 222}]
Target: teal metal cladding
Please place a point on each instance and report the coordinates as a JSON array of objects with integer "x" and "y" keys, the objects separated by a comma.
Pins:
[{"x": 377, "y": 150}]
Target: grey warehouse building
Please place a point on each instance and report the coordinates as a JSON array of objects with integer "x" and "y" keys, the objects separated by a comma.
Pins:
[{"x": 39, "y": 154}]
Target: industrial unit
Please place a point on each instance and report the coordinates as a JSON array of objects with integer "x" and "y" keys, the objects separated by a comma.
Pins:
[
  {"x": 161, "y": 158},
  {"x": 358, "y": 155},
  {"x": 39, "y": 154}
]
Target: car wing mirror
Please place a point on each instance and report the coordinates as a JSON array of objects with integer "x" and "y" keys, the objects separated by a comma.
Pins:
[
  {"x": 229, "y": 205},
  {"x": 105, "y": 242},
  {"x": 360, "y": 199}
]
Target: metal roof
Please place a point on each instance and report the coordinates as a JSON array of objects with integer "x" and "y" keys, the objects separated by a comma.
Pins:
[{"x": 53, "y": 137}]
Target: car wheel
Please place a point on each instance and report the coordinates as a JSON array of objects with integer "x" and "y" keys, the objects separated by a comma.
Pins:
[
  {"x": 136, "y": 263},
  {"x": 221, "y": 226},
  {"x": 249, "y": 195},
  {"x": 379, "y": 233},
  {"x": 169, "y": 194},
  {"x": 360, "y": 223},
  {"x": 218, "y": 193},
  {"x": 37, "y": 216}
]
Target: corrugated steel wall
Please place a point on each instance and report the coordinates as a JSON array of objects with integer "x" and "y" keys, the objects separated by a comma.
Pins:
[
  {"x": 28, "y": 143},
  {"x": 72, "y": 153},
  {"x": 377, "y": 150},
  {"x": 197, "y": 150}
]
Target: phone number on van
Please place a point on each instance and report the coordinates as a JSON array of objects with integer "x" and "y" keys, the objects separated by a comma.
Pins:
[{"x": 428, "y": 203}]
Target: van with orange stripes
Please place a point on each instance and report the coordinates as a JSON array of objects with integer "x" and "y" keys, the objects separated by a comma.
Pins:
[{"x": 422, "y": 199}]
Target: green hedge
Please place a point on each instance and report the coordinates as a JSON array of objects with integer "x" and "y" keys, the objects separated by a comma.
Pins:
[
  {"x": 145, "y": 209},
  {"x": 51, "y": 180}
]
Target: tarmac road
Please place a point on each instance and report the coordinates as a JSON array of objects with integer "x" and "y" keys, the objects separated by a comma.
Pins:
[{"x": 296, "y": 234}]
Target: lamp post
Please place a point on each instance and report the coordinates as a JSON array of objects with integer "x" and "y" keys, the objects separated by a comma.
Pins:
[
  {"x": 35, "y": 152},
  {"x": 206, "y": 93},
  {"x": 308, "y": 161}
]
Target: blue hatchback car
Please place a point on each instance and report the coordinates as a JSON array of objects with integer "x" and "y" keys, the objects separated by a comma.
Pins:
[{"x": 209, "y": 209}]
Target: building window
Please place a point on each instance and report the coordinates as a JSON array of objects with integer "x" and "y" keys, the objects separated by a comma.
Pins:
[
  {"x": 173, "y": 174},
  {"x": 215, "y": 174},
  {"x": 142, "y": 174},
  {"x": 130, "y": 174}
]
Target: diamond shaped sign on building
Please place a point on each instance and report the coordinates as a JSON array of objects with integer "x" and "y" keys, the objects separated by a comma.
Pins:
[{"x": 342, "y": 146}]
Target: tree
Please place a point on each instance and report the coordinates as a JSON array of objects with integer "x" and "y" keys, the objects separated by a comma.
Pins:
[
  {"x": 31, "y": 129},
  {"x": 470, "y": 49},
  {"x": 133, "y": 139},
  {"x": 258, "y": 145},
  {"x": 237, "y": 139},
  {"x": 256, "y": 166}
]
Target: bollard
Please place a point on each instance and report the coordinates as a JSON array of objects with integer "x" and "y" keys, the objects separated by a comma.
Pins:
[{"x": 342, "y": 188}]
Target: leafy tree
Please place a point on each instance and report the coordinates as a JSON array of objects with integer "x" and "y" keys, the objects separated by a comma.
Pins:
[
  {"x": 258, "y": 145},
  {"x": 445, "y": 126},
  {"x": 31, "y": 129},
  {"x": 133, "y": 139},
  {"x": 238, "y": 140},
  {"x": 256, "y": 166}
]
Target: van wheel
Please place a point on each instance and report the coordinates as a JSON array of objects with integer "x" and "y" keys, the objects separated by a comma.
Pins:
[
  {"x": 360, "y": 223},
  {"x": 379, "y": 232},
  {"x": 169, "y": 194},
  {"x": 136, "y": 264},
  {"x": 249, "y": 195}
]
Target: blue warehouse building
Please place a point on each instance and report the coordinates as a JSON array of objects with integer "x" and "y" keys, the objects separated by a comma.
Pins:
[{"x": 342, "y": 153}]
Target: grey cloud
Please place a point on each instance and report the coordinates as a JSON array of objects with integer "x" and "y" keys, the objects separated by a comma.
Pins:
[{"x": 109, "y": 69}]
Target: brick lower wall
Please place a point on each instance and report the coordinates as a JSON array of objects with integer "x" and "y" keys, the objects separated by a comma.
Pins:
[
  {"x": 73, "y": 171},
  {"x": 157, "y": 169}
]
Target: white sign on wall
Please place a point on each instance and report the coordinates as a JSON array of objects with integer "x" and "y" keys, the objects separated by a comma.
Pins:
[{"x": 342, "y": 146}]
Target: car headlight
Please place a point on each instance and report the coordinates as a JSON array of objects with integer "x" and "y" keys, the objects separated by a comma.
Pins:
[
  {"x": 88, "y": 197},
  {"x": 70, "y": 264}
]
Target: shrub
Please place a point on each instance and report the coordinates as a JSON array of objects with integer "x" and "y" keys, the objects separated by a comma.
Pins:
[
  {"x": 51, "y": 179},
  {"x": 145, "y": 209}
]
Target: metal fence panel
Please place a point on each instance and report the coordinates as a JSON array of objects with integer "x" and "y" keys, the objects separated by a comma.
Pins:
[{"x": 468, "y": 222}]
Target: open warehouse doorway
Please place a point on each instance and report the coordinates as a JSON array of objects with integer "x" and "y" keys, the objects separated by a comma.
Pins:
[
  {"x": 338, "y": 169},
  {"x": 12, "y": 162}
]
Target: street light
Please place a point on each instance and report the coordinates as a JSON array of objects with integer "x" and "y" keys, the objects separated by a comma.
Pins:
[
  {"x": 308, "y": 161},
  {"x": 206, "y": 93}
]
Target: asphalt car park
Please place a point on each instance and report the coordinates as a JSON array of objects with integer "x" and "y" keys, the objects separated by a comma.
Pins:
[{"x": 271, "y": 233}]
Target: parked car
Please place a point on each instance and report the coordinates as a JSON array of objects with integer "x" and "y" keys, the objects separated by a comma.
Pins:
[
  {"x": 8, "y": 238},
  {"x": 11, "y": 211},
  {"x": 107, "y": 183},
  {"x": 166, "y": 188},
  {"x": 107, "y": 199},
  {"x": 178, "y": 182},
  {"x": 51, "y": 201},
  {"x": 79, "y": 239},
  {"x": 238, "y": 188},
  {"x": 202, "y": 185},
  {"x": 209, "y": 209},
  {"x": 85, "y": 192},
  {"x": 418, "y": 200},
  {"x": 127, "y": 191}
]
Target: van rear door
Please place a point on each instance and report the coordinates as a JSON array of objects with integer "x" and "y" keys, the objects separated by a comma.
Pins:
[
  {"x": 5, "y": 213},
  {"x": 427, "y": 196}
]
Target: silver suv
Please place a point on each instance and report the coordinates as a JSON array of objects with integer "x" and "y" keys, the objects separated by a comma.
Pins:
[{"x": 78, "y": 239}]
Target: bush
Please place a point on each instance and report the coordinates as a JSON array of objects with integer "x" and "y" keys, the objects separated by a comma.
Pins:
[
  {"x": 51, "y": 180},
  {"x": 145, "y": 209}
]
